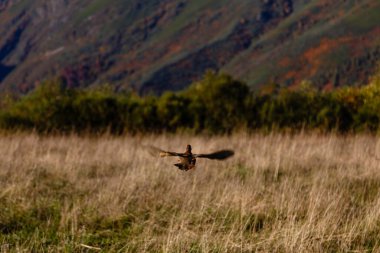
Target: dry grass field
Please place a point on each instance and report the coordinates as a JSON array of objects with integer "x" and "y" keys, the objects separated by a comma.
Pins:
[{"x": 279, "y": 193}]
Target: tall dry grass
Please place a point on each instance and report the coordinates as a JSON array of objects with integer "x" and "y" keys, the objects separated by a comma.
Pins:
[{"x": 279, "y": 193}]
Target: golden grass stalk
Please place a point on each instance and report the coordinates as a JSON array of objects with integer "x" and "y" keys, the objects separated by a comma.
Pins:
[{"x": 279, "y": 193}]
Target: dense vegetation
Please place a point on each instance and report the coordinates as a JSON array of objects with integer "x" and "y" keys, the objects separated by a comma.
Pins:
[
  {"x": 279, "y": 193},
  {"x": 216, "y": 104}
]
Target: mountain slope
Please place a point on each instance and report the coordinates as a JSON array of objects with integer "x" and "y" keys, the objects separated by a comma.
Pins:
[{"x": 158, "y": 45}]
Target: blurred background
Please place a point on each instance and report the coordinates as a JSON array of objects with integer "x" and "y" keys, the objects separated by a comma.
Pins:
[{"x": 138, "y": 50}]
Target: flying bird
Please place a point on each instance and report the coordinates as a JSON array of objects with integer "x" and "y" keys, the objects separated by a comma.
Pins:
[{"x": 187, "y": 159}]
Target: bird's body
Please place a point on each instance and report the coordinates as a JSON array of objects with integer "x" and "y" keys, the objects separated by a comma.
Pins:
[{"x": 187, "y": 160}]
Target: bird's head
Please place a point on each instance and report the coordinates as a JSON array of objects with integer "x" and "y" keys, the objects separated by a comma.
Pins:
[{"x": 188, "y": 148}]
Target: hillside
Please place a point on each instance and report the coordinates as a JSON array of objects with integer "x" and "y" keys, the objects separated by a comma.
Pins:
[{"x": 158, "y": 45}]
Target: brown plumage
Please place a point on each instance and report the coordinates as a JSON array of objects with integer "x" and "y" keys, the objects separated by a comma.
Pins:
[{"x": 187, "y": 159}]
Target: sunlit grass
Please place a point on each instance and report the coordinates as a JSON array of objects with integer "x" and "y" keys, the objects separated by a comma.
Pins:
[{"x": 279, "y": 193}]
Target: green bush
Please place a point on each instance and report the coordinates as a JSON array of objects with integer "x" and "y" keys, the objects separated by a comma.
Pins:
[
  {"x": 219, "y": 101},
  {"x": 216, "y": 104}
]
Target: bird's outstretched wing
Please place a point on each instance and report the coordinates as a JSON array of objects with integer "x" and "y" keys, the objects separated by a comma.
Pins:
[
  {"x": 219, "y": 155},
  {"x": 162, "y": 153}
]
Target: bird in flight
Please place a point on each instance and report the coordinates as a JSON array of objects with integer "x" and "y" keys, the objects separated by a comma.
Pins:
[{"x": 187, "y": 159}]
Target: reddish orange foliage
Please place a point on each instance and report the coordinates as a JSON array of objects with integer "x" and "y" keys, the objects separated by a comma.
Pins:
[
  {"x": 326, "y": 45},
  {"x": 291, "y": 74},
  {"x": 313, "y": 56},
  {"x": 174, "y": 48},
  {"x": 285, "y": 62},
  {"x": 328, "y": 87},
  {"x": 360, "y": 44}
]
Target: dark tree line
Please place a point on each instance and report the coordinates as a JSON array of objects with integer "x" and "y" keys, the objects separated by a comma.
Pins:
[{"x": 216, "y": 104}]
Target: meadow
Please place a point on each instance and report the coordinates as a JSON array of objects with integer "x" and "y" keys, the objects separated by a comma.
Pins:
[{"x": 279, "y": 193}]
